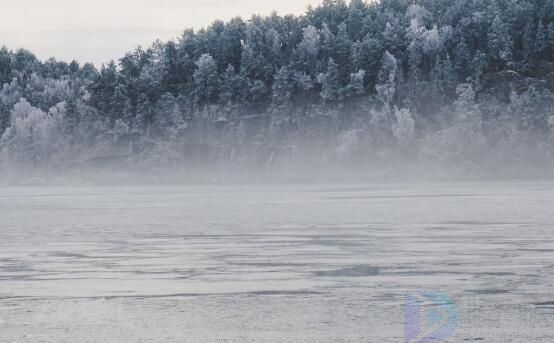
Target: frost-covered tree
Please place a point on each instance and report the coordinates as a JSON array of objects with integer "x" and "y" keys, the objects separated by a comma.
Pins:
[
  {"x": 343, "y": 47},
  {"x": 308, "y": 50},
  {"x": 330, "y": 85},
  {"x": 356, "y": 85},
  {"x": 233, "y": 88},
  {"x": 206, "y": 80},
  {"x": 327, "y": 42},
  {"x": 551, "y": 36},
  {"x": 541, "y": 39},
  {"x": 416, "y": 55},
  {"x": 386, "y": 85},
  {"x": 33, "y": 136},
  {"x": 479, "y": 64},
  {"x": 462, "y": 59},
  {"x": 283, "y": 88},
  {"x": 367, "y": 55},
  {"x": 528, "y": 47},
  {"x": 499, "y": 42},
  {"x": 444, "y": 75},
  {"x": 356, "y": 15}
]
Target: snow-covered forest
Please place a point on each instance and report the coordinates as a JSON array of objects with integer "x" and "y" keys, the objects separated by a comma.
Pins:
[{"x": 458, "y": 86}]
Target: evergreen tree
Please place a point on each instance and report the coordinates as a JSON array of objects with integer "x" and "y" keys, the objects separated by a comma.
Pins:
[
  {"x": 282, "y": 89},
  {"x": 308, "y": 51},
  {"x": 275, "y": 44},
  {"x": 366, "y": 55},
  {"x": 499, "y": 43},
  {"x": 330, "y": 85},
  {"x": 386, "y": 83},
  {"x": 327, "y": 43},
  {"x": 343, "y": 46},
  {"x": 170, "y": 70},
  {"x": 5, "y": 65},
  {"x": 415, "y": 53},
  {"x": 143, "y": 115},
  {"x": 205, "y": 80},
  {"x": 118, "y": 104},
  {"x": 551, "y": 36},
  {"x": 230, "y": 42},
  {"x": 233, "y": 87},
  {"x": 541, "y": 39},
  {"x": 449, "y": 74},
  {"x": 356, "y": 85},
  {"x": 462, "y": 59},
  {"x": 356, "y": 11},
  {"x": 258, "y": 94},
  {"x": 528, "y": 47},
  {"x": 479, "y": 64}
]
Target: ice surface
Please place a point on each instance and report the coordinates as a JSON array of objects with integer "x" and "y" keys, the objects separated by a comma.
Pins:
[{"x": 273, "y": 263}]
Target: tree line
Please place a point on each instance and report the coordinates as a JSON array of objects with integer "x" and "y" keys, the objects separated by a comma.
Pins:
[{"x": 369, "y": 81}]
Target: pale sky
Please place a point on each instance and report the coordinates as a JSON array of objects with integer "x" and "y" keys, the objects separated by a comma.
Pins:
[{"x": 100, "y": 30}]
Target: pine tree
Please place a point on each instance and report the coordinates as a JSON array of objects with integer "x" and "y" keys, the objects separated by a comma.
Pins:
[
  {"x": 233, "y": 87},
  {"x": 327, "y": 43},
  {"x": 499, "y": 44},
  {"x": 443, "y": 78},
  {"x": 343, "y": 46},
  {"x": 541, "y": 39},
  {"x": 330, "y": 85},
  {"x": 367, "y": 55},
  {"x": 415, "y": 56},
  {"x": 386, "y": 82},
  {"x": 164, "y": 112},
  {"x": 251, "y": 63},
  {"x": 258, "y": 93},
  {"x": 528, "y": 47},
  {"x": 479, "y": 64},
  {"x": 276, "y": 46},
  {"x": 493, "y": 9},
  {"x": 142, "y": 116},
  {"x": 449, "y": 74},
  {"x": 393, "y": 37},
  {"x": 355, "y": 19},
  {"x": 230, "y": 43},
  {"x": 5, "y": 65},
  {"x": 171, "y": 74},
  {"x": 119, "y": 103},
  {"x": 462, "y": 59},
  {"x": 206, "y": 80},
  {"x": 282, "y": 90},
  {"x": 551, "y": 36},
  {"x": 356, "y": 85},
  {"x": 307, "y": 51}
]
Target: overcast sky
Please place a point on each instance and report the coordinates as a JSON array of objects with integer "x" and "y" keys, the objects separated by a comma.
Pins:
[{"x": 100, "y": 30}]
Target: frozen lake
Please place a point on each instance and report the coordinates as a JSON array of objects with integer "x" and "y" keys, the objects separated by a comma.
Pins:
[{"x": 275, "y": 263}]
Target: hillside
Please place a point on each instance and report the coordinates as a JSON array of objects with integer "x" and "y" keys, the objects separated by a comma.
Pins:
[{"x": 466, "y": 85}]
